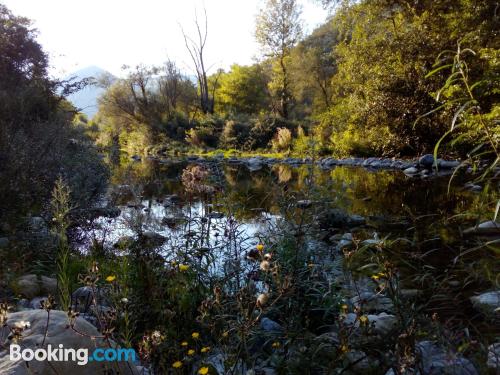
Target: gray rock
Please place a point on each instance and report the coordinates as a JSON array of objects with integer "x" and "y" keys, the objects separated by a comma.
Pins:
[
  {"x": 254, "y": 164},
  {"x": 473, "y": 187},
  {"x": 31, "y": 286},
  {"x": 380, "y": 324},
  {"x": 494, "y": 356},
  {"x": 23, "y": 304},
  {"x": 361, "y": 362},
  {"x": 347, "y": 236},
  {"x": 37, "y": 302},
  {"x": 383, "y": 323},
  {"x": 54, "y": 331},
  {"x": 488, "y": 303},
  {"x": 448, "y": 164},
  {"x": 485, "y": 228},
  {"x": 330, "y": 338},
  {"x": 426, "y": 161},
  {"x": 356, "y": 220},
  {"x": 371, "y": 302},
  {"x": 135, "y": 157},
  {"x": 269, "y": 325},
  {"x": 38, "y": 224},
  {"x": 410, "y": 171},
  {"x": 435, "y": 361},
  {"x": 343, "y": 244},
  {"x": 150, "y": 238}
]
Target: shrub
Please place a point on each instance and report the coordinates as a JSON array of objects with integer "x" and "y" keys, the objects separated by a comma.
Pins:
[
  {"x": 282, "y": 141},
  {"x": 234, "y": 134}
]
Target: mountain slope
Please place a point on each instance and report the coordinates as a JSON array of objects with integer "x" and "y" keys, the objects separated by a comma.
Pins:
[{"x": 86, "y": 99}]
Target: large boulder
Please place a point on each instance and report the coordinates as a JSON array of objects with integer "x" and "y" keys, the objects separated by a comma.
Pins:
[
  {"x": 31, "y": 286},
  {"x": 436, "y": 361},
  {"x": 39, "y": 327}
]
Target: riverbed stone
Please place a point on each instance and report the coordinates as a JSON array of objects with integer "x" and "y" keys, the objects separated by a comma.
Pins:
[
  {"x": 447, "y": 164},
  {"x": 54, "y": 330},
  {"x": 360, "y": 362},
  {"x": 31, "y": 286},
  {"x": 484, "y": 228},
  {"x": 150, "y": 238},
  {"x": 254, "y": 164},
  {"x": 380, "y": 324},
  {"x": 371, "y": 302},
  {"x": 270, "y": 325},
  {"x": 493, "y": 361},
  {"x": 488, "y": 302},
  {"x": 436, "y": 361},
  {"x": 426, "y": 161},
  {"x": 410, "y": 171}
]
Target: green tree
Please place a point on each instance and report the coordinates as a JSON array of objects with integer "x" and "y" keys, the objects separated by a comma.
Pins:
[
  {"x": 243, "y": 90},
  {"x": 313, "y": 66},
  {"x": 387, "y": 47},
  {"x": 278, "y": 30}
]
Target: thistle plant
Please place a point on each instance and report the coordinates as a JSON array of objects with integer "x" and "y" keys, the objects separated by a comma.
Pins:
[{"x": 61, "y": 207}]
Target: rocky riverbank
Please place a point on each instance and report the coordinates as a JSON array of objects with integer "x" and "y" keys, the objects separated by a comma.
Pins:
[{"x": 424, "y": 166}]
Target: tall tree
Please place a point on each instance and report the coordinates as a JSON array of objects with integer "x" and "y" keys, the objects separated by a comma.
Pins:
[
  {"x": 196, "y": 49},
  {"x": 278, "y": 31}
]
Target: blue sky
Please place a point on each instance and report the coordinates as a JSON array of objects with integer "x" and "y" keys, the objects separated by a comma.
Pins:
[{"x": 110, "y": 33}]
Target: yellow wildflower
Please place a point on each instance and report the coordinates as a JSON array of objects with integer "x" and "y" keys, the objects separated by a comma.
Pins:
[
  {"x": 363, "y": 319},
  {"x": 177, "y": 364},
  {"x": 184, "y": 343},
  {"x": 183, "y": 267},
  {"x": 344, "y": 348},
  {"x": 276, "y": 344},
  {"x": 205, "y": 349},
  {"x": 191, "y": 351},
  {"x": 195, "y": 335},
  {"x": 225, "y": 334},
  {"x": 110, "y": 278},
  {"x": 260, "y": 247},
  {"x": 375, "y": 277},
  {"x": 344, "y": 307},
  {"x": 203, "y": 370}
]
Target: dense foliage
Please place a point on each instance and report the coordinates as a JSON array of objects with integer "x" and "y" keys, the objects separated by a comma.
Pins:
[
  {"x": 357, "y": 85},
  {"x": 38, "y": 142}
]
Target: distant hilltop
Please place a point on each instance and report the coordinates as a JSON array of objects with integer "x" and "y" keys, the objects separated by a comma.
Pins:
[{"x": 86, "y": 99}]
